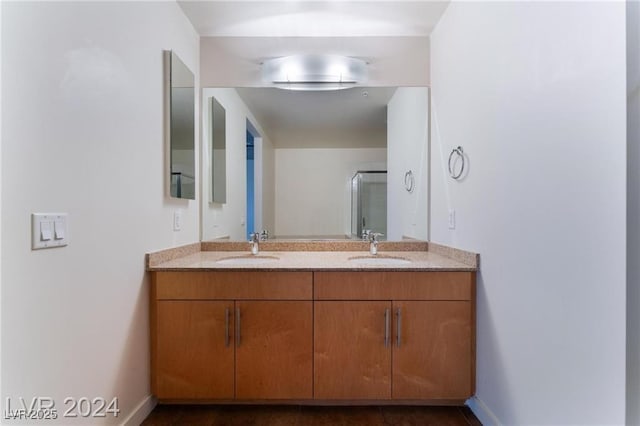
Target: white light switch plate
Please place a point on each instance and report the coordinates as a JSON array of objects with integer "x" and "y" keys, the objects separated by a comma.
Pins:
[
  {"x": 452, "y": 219},
  {"x": 177, "y": 220},
  {"x": 49, "y": 230}
]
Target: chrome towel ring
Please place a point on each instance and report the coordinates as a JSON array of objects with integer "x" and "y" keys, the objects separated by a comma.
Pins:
[
  {"x": 460, "y": 154},
  {"x": 409, "y": 181}
]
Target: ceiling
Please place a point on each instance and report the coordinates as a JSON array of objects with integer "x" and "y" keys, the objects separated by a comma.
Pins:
[
  {"x": 391, "y": 35},
  {"x": 240, "y": 18}
]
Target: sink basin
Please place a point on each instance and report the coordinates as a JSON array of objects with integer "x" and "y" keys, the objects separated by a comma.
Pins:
[
  {"x": 247, "y": 260},
  {"x": 379, "y": 260}
]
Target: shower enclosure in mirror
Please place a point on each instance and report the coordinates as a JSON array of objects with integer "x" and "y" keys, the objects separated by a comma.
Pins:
[
  {"x": 181, "y": 127},
  {"x": 368, "y": 203}
]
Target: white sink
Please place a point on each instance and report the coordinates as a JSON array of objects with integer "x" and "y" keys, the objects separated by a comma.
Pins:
[
  {"x": 379, "y": 260},
  {"x": 247, "y": 260}
]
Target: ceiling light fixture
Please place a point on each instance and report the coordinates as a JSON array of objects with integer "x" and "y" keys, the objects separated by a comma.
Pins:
[{"x": 314, "y": 72}]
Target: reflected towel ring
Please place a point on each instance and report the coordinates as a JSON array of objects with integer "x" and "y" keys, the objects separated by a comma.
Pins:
[
  {"x": 409, "y": 181},
  {"x": 460, "y": 153}
]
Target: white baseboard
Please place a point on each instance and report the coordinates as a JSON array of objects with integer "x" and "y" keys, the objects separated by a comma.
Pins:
[
  {"x": 141, "y": 412},
  {"x": 482, "y": 412}
]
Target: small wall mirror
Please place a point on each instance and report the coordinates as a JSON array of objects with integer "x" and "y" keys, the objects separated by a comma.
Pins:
[
  {"x": 181, "y": 122},
  {"x": 217, "y": 148}
]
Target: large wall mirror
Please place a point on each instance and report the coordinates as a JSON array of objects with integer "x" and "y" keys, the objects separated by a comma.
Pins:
[
  {"x": 181, "y": 131},
  {"x": 293, "y": 157}
]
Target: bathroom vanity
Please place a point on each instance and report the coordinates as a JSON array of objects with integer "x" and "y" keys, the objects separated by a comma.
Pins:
[{"x": 328, "y": 327}]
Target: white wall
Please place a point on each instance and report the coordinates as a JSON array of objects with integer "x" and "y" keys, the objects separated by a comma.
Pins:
[
  {"x": 313, "y": 188},
  {"x": 82, "y": 114},
  {"x": 408, "y": 149},
  {"x": 228, "y": 219},
  {"x": 396, "y": 61},
  {"x": 633, "y": 212},
  {"x": 535, "y": 93}
]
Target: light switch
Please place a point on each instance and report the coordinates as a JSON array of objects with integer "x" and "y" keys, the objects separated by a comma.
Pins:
[
  {"x": 45, "y": 231},
  {"x": 60, "y": 229},
  {"x": 49, "y": 230}
]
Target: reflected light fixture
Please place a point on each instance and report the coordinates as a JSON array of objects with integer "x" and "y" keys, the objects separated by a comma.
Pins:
[{"x": 314, "y": 72}]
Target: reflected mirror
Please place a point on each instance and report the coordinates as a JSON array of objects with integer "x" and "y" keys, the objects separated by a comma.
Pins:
[
  {"x": 217, "y": 148},
  {"x": 293, "y": 158},
  {"x": 181, "y": 122},
  {"x": 368, "y": 203}
]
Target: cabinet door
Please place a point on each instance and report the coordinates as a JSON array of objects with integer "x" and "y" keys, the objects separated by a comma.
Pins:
[
  {"x": 432, "y": 350},
  {"x": 274, "y": 350},
  {"x": 352, "y": 357},
  {"x": 195, "y": 354}
]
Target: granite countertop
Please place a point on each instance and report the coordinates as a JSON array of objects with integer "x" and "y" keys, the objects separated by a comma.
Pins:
[{"x": 313, "y": 261}]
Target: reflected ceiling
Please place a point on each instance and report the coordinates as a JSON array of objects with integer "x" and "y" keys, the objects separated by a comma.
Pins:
[{"x": 351, "y": 118}]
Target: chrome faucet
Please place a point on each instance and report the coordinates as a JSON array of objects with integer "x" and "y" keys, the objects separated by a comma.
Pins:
[
  {"x": 264, "y": 235},
  {"x": 254, "y": 240},
  {"x": 373, "y": 242}
]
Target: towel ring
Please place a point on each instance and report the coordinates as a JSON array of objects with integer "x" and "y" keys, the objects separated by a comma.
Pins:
[
  {"x": 460, "y": 153},
  {"x": 409, "y": 181}
]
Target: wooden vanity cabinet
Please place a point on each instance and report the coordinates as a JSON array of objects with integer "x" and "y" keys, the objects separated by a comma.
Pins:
[
  {"x": 231, "y": 335},
  {"x": 328, "y": 335},
  {"x": 394, "y": 335}
]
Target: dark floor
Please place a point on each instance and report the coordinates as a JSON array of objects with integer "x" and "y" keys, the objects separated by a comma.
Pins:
[{"x": 214, "y": 415}]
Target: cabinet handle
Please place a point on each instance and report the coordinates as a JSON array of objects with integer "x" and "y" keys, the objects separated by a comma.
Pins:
[
  {"x": 386, "y": 328},
  {"x": 226, "y": 327},
  {"x": 398, "y": 326},
  {"x": 238, "y": 316}
]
